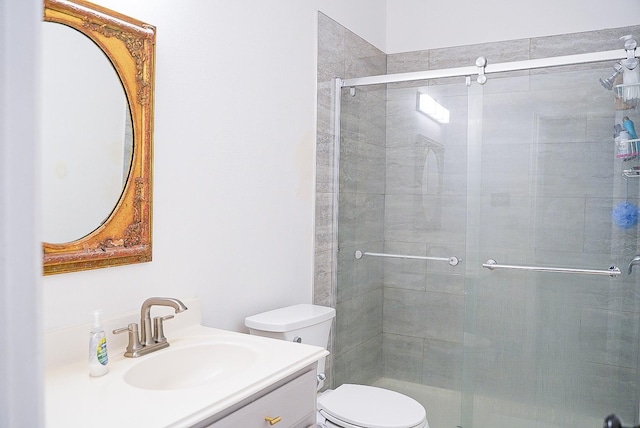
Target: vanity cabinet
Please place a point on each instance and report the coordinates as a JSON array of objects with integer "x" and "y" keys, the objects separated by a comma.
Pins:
[
  {"x": 280, "y": 381},
  {"x": 291, "y": 405}
]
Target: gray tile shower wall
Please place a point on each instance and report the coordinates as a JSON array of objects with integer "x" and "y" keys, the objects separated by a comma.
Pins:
[{"x": 357, "y": 335}]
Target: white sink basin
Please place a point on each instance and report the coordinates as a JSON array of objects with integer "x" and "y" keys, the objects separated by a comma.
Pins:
[{"x": 189, "y": 366}]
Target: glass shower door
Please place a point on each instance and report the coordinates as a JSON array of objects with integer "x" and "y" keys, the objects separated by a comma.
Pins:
[{"x": 548, "y": 349}]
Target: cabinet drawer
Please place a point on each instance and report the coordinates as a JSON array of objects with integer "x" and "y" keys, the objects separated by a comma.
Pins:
[{"x": 294, "y": 403}]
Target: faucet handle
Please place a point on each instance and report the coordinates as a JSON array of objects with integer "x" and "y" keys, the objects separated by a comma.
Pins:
[
  {"x": 158, "y": 331},
  {"x": 134, "y": 344}
]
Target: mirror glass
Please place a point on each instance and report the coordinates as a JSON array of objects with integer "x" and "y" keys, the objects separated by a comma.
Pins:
[{"x": 87, "y": 135}]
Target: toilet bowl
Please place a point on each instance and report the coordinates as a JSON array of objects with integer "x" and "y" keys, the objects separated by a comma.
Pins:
[
  {"x": 358, "y": 406},
  {"x": 347, "y": 406}
]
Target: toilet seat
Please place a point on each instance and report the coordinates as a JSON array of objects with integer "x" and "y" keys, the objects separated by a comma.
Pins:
[{"x": 361, "y": 406}]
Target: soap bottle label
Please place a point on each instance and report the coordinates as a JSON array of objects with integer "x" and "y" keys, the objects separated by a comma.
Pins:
[{"x": 101, "y": 352}]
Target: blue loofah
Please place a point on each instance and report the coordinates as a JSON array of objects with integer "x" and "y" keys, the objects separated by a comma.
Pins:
[{"x": 625, "y": 215}]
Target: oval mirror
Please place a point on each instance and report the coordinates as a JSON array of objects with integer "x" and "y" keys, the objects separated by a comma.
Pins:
[
  {"x": 86, "y": 151},
  {"x": 97, "y": 190}
]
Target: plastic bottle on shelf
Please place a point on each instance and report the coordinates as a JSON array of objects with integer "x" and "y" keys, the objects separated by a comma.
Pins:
[{"x": 627, "y": 124}]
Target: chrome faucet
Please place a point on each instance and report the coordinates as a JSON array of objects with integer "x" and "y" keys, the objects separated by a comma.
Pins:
[
  {"x": 150, "y": 337},
  {"x": 146, "y": 336},
  {"x": 634, "y": 261}
]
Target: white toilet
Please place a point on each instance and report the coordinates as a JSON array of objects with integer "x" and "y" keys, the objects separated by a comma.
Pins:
[{"x": 348, "y": 406}]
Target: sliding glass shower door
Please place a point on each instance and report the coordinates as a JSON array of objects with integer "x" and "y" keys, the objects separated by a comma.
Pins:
[
  {"x": 545, "y": 348},
  {"x": 524, "y": 174},
  {"x": 403, "y": 192}
]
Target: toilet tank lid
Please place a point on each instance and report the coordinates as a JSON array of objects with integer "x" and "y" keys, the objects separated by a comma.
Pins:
[{"x": 290, "y": 318}]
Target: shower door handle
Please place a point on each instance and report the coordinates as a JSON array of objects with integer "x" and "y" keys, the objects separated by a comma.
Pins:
[
  {"x": 453, "y": 260},
  {"x": 612, "y": 271}
]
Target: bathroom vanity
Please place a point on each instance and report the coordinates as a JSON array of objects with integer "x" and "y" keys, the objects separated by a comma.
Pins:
[{"x": 206, "y": 378}]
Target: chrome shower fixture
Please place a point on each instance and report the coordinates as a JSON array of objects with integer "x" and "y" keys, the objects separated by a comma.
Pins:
[{"x": 609, "y": 81}]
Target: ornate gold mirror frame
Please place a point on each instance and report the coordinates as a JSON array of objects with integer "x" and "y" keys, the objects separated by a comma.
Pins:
[{"x": 125, "y": 236}]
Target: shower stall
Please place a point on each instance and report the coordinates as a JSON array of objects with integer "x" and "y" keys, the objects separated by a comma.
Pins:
[{"x": 479, "y": 266}]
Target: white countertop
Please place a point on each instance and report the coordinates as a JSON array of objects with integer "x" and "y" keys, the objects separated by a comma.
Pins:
[{"x": 74, "y": 399}]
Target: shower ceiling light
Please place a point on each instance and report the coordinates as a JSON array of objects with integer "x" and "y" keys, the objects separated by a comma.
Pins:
[{"x": 431, "y": 108}]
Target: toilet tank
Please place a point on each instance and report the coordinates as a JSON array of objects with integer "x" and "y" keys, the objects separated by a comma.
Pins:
[{"x": 302, "y": 323}]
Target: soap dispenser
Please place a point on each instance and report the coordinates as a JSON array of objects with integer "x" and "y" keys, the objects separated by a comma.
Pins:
[{"x": 98, "y": 357}]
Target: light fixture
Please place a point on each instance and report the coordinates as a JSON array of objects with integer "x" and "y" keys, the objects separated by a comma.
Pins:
[{"x": 431, "y": 108}]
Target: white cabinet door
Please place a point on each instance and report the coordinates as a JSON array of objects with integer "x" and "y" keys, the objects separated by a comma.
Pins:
[{"x": 293, "y": 405}]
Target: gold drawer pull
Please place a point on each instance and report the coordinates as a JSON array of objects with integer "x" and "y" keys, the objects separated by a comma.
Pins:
[{"x": 273, "y": 421}]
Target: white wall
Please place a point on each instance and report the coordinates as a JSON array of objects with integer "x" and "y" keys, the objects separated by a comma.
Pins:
[
  {"x": 419, "y": 24},
  {"x": 234, "y": 160}
]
